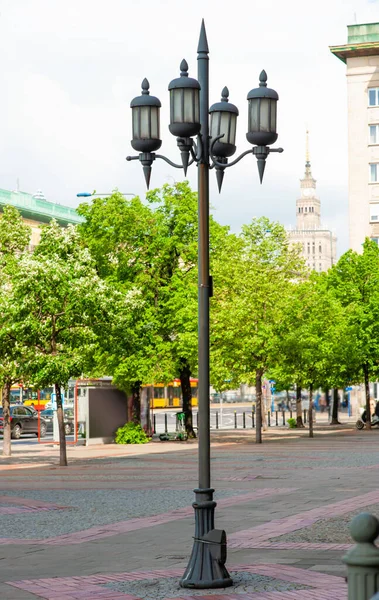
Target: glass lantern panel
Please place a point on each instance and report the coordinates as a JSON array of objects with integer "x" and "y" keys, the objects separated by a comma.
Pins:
[
  {"x": 215, "y": 124},
  {"x": 224, "y": 127},
  {"x": 177, "y": 105},
  {"x": 233, "y": 127},
  {"x": 135, "y": 119},
  {"x": 189, "y": 108},
  {"x": 145, "y": 122},
  {"x": 273, "y": 116},
  {"x": 196, "y": 99},
  {"x": 154, "y": 122},
  {"x": 254, "y": 115},
  {"x": 265, "y": 115}
]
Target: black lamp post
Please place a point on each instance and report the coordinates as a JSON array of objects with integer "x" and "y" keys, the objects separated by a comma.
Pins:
[{"x": 189, "y": 116}]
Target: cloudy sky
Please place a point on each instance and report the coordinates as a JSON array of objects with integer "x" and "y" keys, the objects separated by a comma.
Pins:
[{"x": 69, "y": 68}]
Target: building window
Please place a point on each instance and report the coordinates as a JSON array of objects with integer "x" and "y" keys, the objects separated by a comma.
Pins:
[
  {"x": 313, "y": 247},
  {"x": 376, "y": 240},
  {"x": 320, "y": 248},
  {"x": 374, "y": 212},
  {"x": 299, "y": 209},
  {"x": 374, "y": 172},
  {"x": 319, "y": 267},
  {"x": 373, "y": 97},
  {"x": 373, "y": 134},
  {"x": 309, "y": 248},
  {"x": 305, "y": 209}
]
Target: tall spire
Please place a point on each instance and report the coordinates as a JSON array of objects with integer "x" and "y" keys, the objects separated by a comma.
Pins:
[{"x": 308, "y": 173}]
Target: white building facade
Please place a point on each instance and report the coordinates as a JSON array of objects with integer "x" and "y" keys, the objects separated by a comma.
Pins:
[
  {"x": 361, "y": 56},
  {"x": 317, "y": 243}
]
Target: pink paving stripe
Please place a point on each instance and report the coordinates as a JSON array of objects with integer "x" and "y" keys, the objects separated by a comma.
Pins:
[
  {"x": 296, "y": 546},
  {"x": 28, "y": 502},
  {"x": 325, "y": 587},
  {"x": 95, "y": 533},
  {"x": 15, "y": 510},
  {"x": 278, "y": 527}
]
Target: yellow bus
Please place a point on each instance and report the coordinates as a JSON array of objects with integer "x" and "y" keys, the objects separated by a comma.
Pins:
[{"x": 169, "y": 395}]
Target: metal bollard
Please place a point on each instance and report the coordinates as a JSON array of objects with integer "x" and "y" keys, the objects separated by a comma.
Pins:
[
  {"x": 216, "y": 420},
  {"x": 305, "y": 416},
  {"x": 154, "y": 425},
  {"x": 284, "y": 417},
  {"x": 244, "y": 420},
  {"x": 252, "y": 419},
  {"x": 235, "y": 419},
  {"x": 269, "y": 418},
  {"x": 165, "y": 423},
  {"x": 276, "y": 418},
  {"x": 363, "y": 560}
]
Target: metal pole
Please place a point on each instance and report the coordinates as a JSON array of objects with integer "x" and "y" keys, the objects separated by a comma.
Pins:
[{"x": 206, "y": 567}]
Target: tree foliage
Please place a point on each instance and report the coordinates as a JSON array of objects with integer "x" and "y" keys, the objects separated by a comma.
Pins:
[
  {"x": 252, "y": 277},
  {"x": 60, "y": 308},
  {"x": 14, "y": 239},
  {"x": 354, "y": 280}
]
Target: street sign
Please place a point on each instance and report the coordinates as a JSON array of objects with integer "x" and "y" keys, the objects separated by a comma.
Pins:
[{"x": 348, "y": 389}]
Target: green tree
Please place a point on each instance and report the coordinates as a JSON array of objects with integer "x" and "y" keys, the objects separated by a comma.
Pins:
[
  {"x": 120, "y": 234},
  {"x": 14, "y": 239},
  {"x": 252, "y": 278},
  {"x": 153, "y": 247},
  {"x": 60, "y": 308},
  {"x": 354, "y": 280},
  {"x": 313, "y": 337}
]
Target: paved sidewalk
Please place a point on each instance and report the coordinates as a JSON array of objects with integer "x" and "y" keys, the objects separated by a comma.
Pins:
[{"x": 118, "y": 522}]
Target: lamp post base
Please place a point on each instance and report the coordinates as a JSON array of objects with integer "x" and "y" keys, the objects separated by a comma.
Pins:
[{"x": 206, "y": 567}]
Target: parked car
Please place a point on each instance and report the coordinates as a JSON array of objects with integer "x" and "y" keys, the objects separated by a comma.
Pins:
[
  {"x": 69, "y": 420},
  {"x": 23, "y": 421}
]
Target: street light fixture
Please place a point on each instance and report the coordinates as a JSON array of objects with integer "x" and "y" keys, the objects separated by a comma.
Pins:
[
  {"x": 189, "y": 116},
  {"x": 88, "y": 195}
]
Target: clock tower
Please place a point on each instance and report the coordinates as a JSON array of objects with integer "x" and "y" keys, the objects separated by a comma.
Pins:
[{"x": 308, "y": 206}]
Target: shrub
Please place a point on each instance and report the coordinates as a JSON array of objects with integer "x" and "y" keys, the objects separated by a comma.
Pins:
[
  {"x": 131, "y": 433},
  {"x": 291, "y": 423}
]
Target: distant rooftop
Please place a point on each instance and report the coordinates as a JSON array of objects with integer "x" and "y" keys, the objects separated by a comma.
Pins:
[
  {"x": 37, "y": 208},
  {"x": 362, "y": 40}
]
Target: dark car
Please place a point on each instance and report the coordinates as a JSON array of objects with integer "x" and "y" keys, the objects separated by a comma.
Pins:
[
  {"x": 48, "y": 414},
  {"x": 23, "y": 421}
]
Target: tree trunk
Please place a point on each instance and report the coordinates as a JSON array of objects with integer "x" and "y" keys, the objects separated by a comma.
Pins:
[
  {"x": 335, "y": 420},
  {"x": 326, "y": 390},
  {"x": 62, "y": 435},
  {"x": 258, "y": 404},
  {"x": 288, "y": 399},
  {"x": 185, "y": 383},
  {"x": 367, "y": 394},
  {"x": 299, "y": 412},
  {"x": 310, "y": 413},
  {"x": 136, "y": 402},
  {"x": 6, "y": 420}
]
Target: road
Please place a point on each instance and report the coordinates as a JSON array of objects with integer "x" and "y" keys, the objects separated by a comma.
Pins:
[
  {"x": 223, "y": 416},
  {"x": 227, "y": 415}
]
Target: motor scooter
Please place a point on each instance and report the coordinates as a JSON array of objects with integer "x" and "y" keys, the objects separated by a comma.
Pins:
[{"x": 362, "y": 420}]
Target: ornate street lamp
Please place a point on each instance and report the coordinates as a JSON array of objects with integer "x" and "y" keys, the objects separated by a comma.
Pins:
[{"x": 189, "y": 116}]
